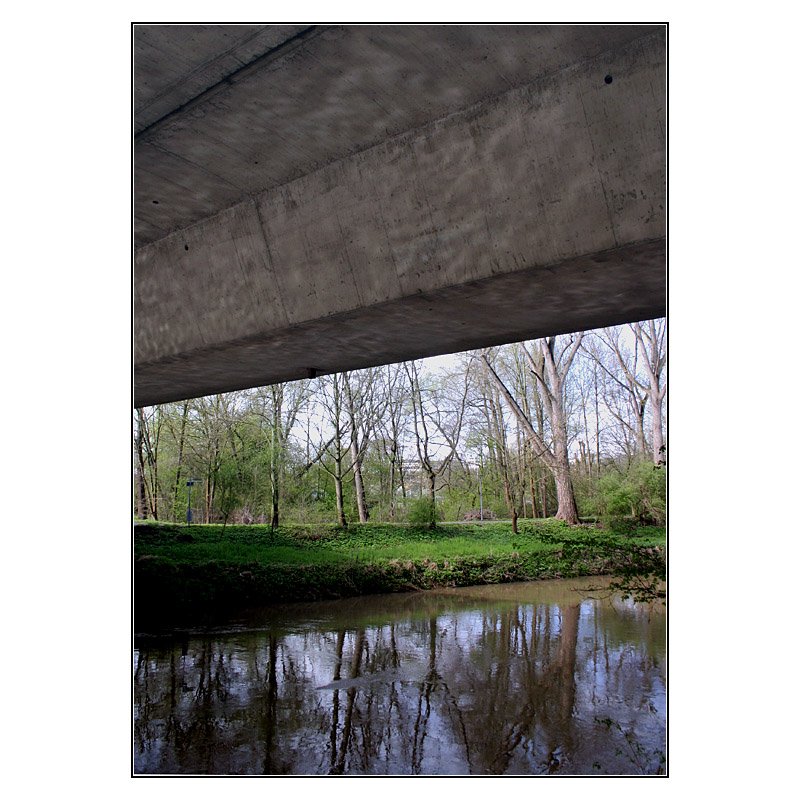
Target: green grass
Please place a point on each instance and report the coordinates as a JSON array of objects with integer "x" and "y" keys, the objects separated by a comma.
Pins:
[
  {"x": 186, "y": 568},
  {"x": 329, "y": 544}
]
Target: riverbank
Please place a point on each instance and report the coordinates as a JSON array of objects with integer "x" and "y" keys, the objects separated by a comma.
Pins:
[{"x": 191, "y": 572}]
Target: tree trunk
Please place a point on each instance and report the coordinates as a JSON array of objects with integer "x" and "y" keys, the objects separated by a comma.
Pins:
[
  {"x": 531, "y": 481},
  {"x": 274, "y": 467},
  {"x": 658, "y": 435},
  {"x": 275, "y": 520},
  {"x": 339, "y": 501},
  {"x": 567, "y": 507},
  {"x": 391, "y": 484},
  {"x": 141, "y": 497},
  {"x": 596, "y": 423},
  {"x": 543, "y": 494},
  {"x": 432, "y": 491},
  {"x": 651, "y": 339},
  {"x": 141, "y": 500},
  {"x": 184, "y": 415},
  {"x": 640, "y": 437},
  {"x": 358, "y": 481}
]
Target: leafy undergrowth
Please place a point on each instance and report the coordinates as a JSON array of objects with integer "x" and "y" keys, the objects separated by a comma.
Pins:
[{"x": 182, "y": 569}]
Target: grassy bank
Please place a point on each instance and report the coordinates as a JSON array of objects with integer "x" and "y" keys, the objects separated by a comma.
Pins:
[{"x": 190, "y": 571}]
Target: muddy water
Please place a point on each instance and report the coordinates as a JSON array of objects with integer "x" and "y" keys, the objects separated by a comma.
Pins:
[{"x": 544, "y": 678}]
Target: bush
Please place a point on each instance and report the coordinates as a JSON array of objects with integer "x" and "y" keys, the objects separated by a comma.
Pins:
[
  {"x": 635, "y": 497},
  {"x": 423, "y": 512}
]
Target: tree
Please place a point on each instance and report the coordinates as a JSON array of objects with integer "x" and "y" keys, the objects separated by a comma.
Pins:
[
  {"x": 437, "y": 427},
  {"x": 637, "y": 373},
  {"x": 363, "y": 411},
  {"x": 147, "y": 441},
  {"x": 499, "y": 449},
  {"x": 333, "y": 402},
  {"x": 650, "y": 336},
  {"x": 277, "y": 407},
  {"x": 549, "y": 363},
  {"x": 396, "y": 394}
]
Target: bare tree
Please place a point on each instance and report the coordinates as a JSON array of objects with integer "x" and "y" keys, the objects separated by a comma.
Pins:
[
  {"x": 500, "y": 451},
  {"x": 364, "y": 409},
  {"x": 549, "y": 363},
  {"x": 138, "y": 444},
  {"x": 393, "y": 429},
  {"x": 650, "y": 336},
  {"x": 437, "y": 425},
  {"x": 209, "y": 442},
  {"x": 278, "y": 407},
  {"x": 180, "y": 439},
  {"x": 335, "y": 418},
  {"x": 623, "y": 395},
  {"x": 147, "y": 440},
  {"x": 637, "y": 374}
]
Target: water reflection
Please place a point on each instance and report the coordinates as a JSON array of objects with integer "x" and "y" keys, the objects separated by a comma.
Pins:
[{"x": 502, "y": 680}]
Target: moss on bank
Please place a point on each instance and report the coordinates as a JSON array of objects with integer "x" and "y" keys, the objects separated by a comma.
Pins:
[{"x": 182, "y": 572}]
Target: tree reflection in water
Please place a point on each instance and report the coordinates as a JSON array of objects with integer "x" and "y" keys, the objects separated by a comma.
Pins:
[{"x": 509, "y": 688}]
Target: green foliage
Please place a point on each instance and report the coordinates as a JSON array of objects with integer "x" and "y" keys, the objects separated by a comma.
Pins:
[
  {"x": 228, "y": 489},
  {"x": 422, "y": 511},
  {"x": 635, "y": 497}
]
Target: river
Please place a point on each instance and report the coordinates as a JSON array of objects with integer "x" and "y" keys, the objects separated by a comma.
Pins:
[{"x": 542, "y": 678}]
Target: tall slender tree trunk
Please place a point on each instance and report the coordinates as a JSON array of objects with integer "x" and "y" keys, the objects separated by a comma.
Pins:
[
  {"x": 358, "y": 481},
  {"x": 275, "y": 499},
  {"x": 520, "y": 471},
  {"x": 338, "y": 483},
  {"x": 641, "y": 441},
  {"x": 432, "y": 491},
  {"x": 181, "y": 439},
  {"x": 392, "y": 504},
  {"x": 596, "y": 422},
  {"x": 514, "y": 514},
  {"x": 275, "y": 454},
  {"x": 141, "y": 497},
  {"x": 651, "y": 339},
  {"x": 658, "y": 434},
  {"x": 543, "y": 493},
  {"x": 567, "y": 506},
  {"x": 141, "y": 494},
  {"x": 539, "y": 407},
  {"x": 531, "y": 480},
  {"x": 274, "y": 483},
  {"x": 497, "y": 435}
]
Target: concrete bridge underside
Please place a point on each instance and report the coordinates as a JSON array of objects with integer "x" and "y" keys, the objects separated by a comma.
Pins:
[{"x": 311, "y": 199}]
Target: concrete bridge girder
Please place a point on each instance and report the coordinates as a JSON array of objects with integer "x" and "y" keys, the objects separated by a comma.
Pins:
[{"x": 535, "y": 211}]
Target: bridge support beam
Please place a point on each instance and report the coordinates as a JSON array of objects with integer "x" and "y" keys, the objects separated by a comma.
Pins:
[{"x": 534, "y": 212}]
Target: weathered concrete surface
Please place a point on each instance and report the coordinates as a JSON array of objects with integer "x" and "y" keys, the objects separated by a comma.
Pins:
[{"x": 410, "y": 201}]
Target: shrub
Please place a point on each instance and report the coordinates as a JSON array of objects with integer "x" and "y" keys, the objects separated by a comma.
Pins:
[
  {"x": 635, "y": 497},
  {"x": 423, "y": 512}
]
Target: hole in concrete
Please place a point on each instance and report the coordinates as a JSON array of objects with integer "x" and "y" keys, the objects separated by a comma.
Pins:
[
  {"x": 186, "y": 247},
  {"x": 155, "y": 201},
  {"x": 608, "y": 79}
]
